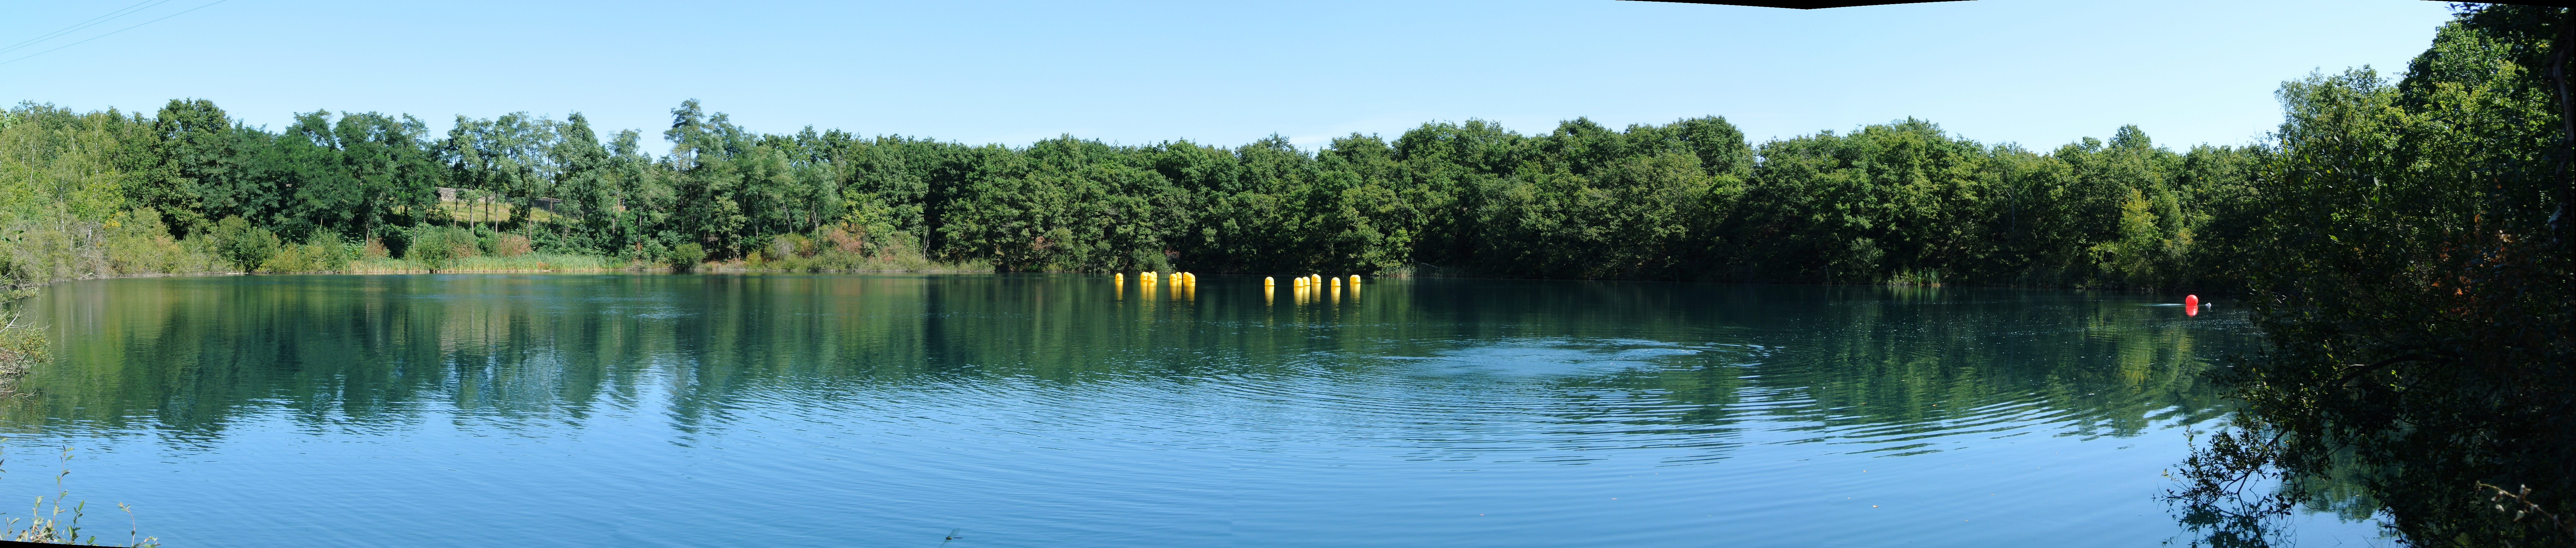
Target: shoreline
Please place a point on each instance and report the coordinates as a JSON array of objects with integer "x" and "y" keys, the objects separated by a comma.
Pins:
[
  {"x": 740, "y": 269},
  {"x": 744, "y": 270}
]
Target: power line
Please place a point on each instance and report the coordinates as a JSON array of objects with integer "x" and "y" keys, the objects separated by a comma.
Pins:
[
  {"x": 92, "y": 22},
  {"x": 112, "y": 33}
]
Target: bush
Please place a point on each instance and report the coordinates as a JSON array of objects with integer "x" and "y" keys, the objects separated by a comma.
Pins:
[
  {"x": 139, "y": 243},
  {"x": 648, "y": 251},
  {"x": 510, "y": 245},
  {"x": 787, "y": 246},
  {"x": 686, "y": 256},
  {"x": 846, "y": 241},
  {"x": 434, "y": 247},
  {"x": 848, "y": 248},
  {"x": 485, "y": 240},
  {"x": 245, "y": 246},
  {"x": 324, "y": 254}
]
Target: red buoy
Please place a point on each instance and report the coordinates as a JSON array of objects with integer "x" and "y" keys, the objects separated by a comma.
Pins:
[{"x": 2191, "y": 305}]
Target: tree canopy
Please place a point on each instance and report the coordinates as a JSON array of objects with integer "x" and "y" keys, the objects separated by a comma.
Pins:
[{"x": 1902, "y": 202}]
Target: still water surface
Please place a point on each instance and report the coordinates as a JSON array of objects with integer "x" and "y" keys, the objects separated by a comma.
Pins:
[{"x": 711, "y": 410}]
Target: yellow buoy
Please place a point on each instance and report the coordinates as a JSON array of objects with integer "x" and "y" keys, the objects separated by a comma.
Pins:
[
  {"x": 1267, "y": 282},
  {"x": 1337, "y": 283},
  {"x": 1355, "y": 279}
]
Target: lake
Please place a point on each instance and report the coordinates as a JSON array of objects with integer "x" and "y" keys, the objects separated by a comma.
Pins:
[{"x": 1063, "y": 410}]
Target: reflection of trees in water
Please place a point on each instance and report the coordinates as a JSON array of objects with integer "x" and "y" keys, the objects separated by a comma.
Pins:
[
  {"x": 366, "y": 353},
  {"x": 1903, "y": 364}
]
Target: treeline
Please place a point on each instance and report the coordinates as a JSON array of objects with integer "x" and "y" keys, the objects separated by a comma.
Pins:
[{"x": 1903, "y": 202}]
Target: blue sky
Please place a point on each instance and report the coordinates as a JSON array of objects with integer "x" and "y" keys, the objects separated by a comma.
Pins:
[{"x": 2037, "y": 73}]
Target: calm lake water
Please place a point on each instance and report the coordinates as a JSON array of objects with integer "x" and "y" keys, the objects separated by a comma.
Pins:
[{"x": 713, "y": 410}]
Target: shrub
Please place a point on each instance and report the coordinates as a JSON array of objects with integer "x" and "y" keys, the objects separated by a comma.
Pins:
[
  {"x": 485, "y": 240},
  {"x": 686, "y": 256},
  {"x": 324, "y": 254},
  {"x": 854, "y": 243},
  {"x": 510, "y": 245},
  {"x": 787, "y": 245},
  {"x": 245, "y": 246},
  {"x": 139, "y": 243},
  {"x": 434, "y": 247}
]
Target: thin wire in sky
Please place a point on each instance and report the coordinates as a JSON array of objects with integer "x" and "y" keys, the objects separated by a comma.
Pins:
[
  {"x": 113, "y": 32},
  {"x": 92, "y": 22}
]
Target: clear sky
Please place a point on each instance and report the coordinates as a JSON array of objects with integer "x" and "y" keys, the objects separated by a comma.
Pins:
[{"x": 2040, "y": 73}]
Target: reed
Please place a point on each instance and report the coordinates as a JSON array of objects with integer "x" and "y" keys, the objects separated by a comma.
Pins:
[{"x": 45, "y": 523}]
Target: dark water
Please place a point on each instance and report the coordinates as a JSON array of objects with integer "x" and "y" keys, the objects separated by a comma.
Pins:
[{"x": 589, "y": 410}]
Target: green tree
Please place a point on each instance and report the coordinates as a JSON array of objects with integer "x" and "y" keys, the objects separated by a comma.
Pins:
[
  {"x": 197, "y": 150},
  {"x": 585, "y": 181},
  {"x": 2412, "y": 277},
  {"x": 707, "y": 179},
  {"x": 507, "y": 156}
]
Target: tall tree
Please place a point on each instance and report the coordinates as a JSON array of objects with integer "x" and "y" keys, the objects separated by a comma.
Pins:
[
  {"x": 584, "y": 180},
  {"x": 198, "y": 154}
]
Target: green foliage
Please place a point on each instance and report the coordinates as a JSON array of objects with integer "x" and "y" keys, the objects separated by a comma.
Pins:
[
  {"x": 2410, "y": 268},
  {"x": 245, "y": 246},
  {"x": 326, "y": 254},
  {"x": 192, "y": 142},
  {"x": 435, "y": 247},
  {"x": 687, "y": 256},
  {"x": 510, "y": 156},
  {"x": 54, "y": 162},
  {"x": 1902, "y": 202},
  {"x": 137, "y": 242}
]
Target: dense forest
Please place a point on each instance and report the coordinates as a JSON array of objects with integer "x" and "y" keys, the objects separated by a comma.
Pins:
[{"x": 187, "y": 188}]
